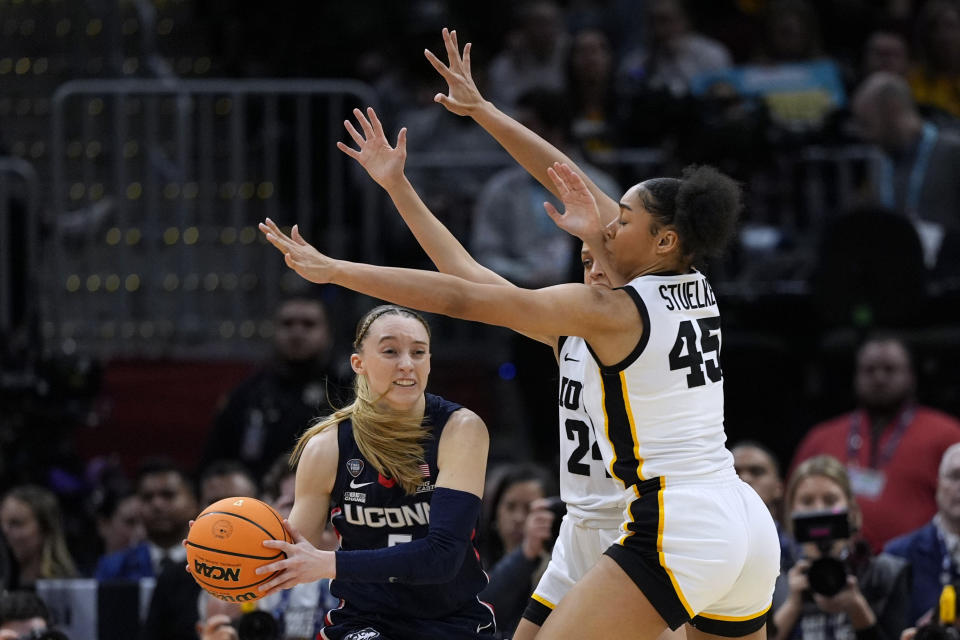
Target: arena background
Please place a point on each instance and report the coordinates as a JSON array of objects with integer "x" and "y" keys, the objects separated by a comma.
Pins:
[{"x": 142, "y": 140}]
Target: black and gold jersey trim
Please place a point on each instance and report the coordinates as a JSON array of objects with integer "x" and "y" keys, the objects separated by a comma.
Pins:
[
  {"x": 640, "y": 553},
  {"x": 538, "y": 609},
  {"x": 641, "y": 343},
  {"x": 620, "y": 429}
]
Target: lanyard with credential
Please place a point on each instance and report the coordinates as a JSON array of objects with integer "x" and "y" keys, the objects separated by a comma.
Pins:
[
  {"x": 948, "y": 569},
  {"x": 928, "y": 139},
  {"x": 856, "y": 437}
]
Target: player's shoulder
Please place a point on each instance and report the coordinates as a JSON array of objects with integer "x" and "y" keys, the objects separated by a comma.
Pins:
[
  {"x": 464, "y": 419},
  {"x": 322, "y": 448},
  {"x": 616, "y": 306},
  {"x": 465, "y": 426},
  {"x": 319, "y": 462}
]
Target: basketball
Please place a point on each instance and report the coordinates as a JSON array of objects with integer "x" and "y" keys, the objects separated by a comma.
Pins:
[{"x": 224, "y": 547}]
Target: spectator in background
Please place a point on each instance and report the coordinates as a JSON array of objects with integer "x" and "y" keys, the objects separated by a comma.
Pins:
[
  {"x": 512, "y": 236},
  {"x": 890, "y": 445},
  {"x": 800, "y": 87},
  {"x": 6, "y": 563},
  {"x": 299, "y": 611},
  {"x": 278, "y": 485},
  {"x": 933, "y": 550},
  {"x": 119, "y": 515},
  {"x": 218, "y": 619},
  {"x": 591, "y": 89},
  {"x": 873, "y": 602},
  {"x": 758, "y": 467},
  {"x": 936, "y": 79},
  {"x": 401, "y": 81},
  {"x": 674, "y": 52},
  {"x": 24, "y": 615},
  {"x": 216, "y": 627},
  {"x": 226, "y": 479},
  {"x": 511, "y": 488},
  {"x": 173, "y": 606},
  {"x": 791, "y": 33},
  {"x": 534, "y": 54},
  {"x": 406, "y": 93},
  {"x": 886, "y": 50},
  {"x": 169, "y": 502},
  {"x": 517, "y": 535},
  {"x": 32, "y": 525},
  {"x": 921, "y": 178},
  {"x": 263, "y": 416}
]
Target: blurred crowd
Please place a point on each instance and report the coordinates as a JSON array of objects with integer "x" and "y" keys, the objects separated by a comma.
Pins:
[
  {"x": 868, "y": 510},
  {"x": 746, "y": 85}
]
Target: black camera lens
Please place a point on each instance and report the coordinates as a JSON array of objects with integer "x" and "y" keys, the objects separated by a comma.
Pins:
[{"x": 827, "y": 576}]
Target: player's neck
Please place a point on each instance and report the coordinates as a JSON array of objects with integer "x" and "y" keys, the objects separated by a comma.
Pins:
[
  {"x": 416, "y": 410},
  {"x": 664, "y": 265}
]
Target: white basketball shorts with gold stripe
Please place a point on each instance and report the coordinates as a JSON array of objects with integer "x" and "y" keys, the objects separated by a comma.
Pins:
[{"x": 703, "y": 551}]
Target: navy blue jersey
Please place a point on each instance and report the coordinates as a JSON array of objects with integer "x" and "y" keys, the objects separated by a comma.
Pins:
[{"x": 370, "y": 511}]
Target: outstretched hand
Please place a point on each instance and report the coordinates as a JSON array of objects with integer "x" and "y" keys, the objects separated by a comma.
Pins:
[
  {"x": 581, "y": 217},
  {"x": 304, "y": 562},
  {"x": 299, "y": 255},
  {"x": 462, "y": 95},
  {"x": 383, "y": 162}
]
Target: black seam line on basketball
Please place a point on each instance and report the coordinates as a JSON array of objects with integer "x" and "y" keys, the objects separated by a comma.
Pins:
[
  {"x": 232, "y": 553},
  {"x": 237, "y": 515},
  {"x": 246, "y": 586}
]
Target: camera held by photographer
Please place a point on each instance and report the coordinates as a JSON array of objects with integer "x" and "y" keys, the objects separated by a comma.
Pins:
[{"x": 835, "y": 590}]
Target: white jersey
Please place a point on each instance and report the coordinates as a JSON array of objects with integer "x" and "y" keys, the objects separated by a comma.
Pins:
[
  {"x": 659, "y": 412},
  {"x": 699, "y": 542},
  {"x": 585, "y": 484}
]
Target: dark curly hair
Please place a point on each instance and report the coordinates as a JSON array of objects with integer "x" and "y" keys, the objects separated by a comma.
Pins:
[{"x": 703, "y": 206}]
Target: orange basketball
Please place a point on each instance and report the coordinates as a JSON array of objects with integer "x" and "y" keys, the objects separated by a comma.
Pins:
[{"x": 224, "y": 547}]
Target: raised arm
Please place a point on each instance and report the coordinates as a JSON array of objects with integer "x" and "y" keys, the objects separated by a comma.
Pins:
[
  {"x": 385, "y": 165},
  {"x": 532, "y": 152},
  {"x": 608, "y": 319}
]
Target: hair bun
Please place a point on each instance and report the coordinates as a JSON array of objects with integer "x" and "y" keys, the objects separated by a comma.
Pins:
[{"x": 708, "y": 206}]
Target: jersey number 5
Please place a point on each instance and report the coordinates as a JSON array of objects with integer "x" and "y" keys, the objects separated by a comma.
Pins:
[{"x": 685, "y": 354}]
